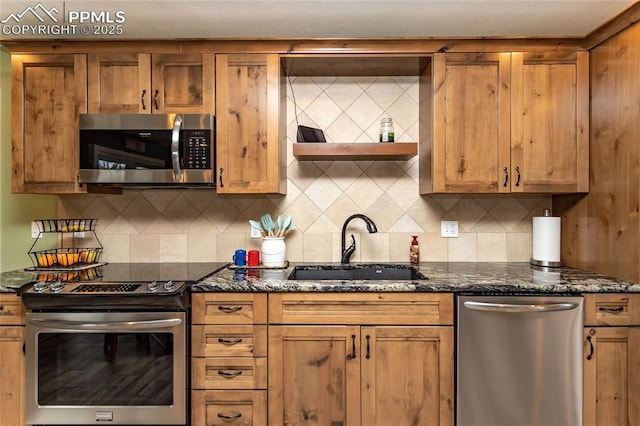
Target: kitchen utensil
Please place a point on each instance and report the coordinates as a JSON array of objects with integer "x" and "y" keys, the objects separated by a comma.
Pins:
[
  {"x": 256, "y": 225},
  {"x": 287, "y": 222},
  {"x": 280, "y": 221},
  {"x": 267, "y": 223}
]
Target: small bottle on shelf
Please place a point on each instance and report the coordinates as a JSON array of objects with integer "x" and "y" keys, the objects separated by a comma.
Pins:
[
  {"x": 414, "y": 252},
  {"x": 386, "y": 130}
]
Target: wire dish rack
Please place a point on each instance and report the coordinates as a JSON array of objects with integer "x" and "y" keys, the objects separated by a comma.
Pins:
[{"x": 78, "y": 246}]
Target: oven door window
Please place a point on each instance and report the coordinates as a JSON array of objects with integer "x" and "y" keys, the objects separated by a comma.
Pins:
[{"x": 105, "y": 369}]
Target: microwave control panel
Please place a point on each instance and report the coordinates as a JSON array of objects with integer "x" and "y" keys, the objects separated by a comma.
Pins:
[{"x": 197, "y": 149}]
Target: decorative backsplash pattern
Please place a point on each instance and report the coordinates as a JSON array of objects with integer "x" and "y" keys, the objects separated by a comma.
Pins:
[{"x": 200, "y": 226}]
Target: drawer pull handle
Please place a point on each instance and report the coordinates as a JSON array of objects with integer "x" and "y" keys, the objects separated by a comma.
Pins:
[
  {"x": 231, "y": 417},
  {"x": 229, "y": 341},
  {"x": 506, "y": 176},
  {"x": 230, "y": 309},
  {"x": 230, "y": 374},
  {"x": 155, "y": 99},
  {"x": 611, "y": 310},
  {"x": 517, "y": 176}
]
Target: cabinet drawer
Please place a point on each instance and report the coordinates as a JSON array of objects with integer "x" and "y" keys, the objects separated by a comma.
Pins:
[
  {"x": 381, "y": 308},
  {"x": 612, "y": 309},
  {"x": 11, "y": 310},
  {"x": 229, "y": 308},
  {"x": 229, "y": 373},
  {"x": 229, "y": 340},
  {"x": 229, "y": 408}
]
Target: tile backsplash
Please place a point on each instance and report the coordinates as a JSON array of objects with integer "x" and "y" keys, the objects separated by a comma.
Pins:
[{"x": 201, "y": 226}]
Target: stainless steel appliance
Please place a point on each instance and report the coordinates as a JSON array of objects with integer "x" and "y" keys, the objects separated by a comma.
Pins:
[
  {"x": 519, "y": 361},
  {"x": 147, "y": 149},
  {"x": 106, "y": 353}
]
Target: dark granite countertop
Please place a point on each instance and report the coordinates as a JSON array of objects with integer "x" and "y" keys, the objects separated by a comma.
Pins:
[{"x": 443, "y": 277}]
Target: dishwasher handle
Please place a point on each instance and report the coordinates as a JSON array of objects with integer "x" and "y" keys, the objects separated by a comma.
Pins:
[{"x": 519, "y": 308}]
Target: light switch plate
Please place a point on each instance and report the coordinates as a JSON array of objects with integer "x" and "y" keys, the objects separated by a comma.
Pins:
[
  {"x": 255, "y": 233},
  {"x": 449, "y": 229}
]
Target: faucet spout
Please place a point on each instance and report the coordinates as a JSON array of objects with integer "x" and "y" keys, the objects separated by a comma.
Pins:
[{"x": 347, "y": 252}]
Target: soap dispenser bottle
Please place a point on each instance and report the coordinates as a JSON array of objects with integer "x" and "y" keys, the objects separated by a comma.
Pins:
[{"x": 414, "y": 252}]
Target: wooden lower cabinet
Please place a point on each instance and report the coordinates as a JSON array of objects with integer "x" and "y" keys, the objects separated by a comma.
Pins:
[
  {"x": 612, "y": 360},
  {"x": 12, "y": 362},
  {"x": 397, "y": 373}
]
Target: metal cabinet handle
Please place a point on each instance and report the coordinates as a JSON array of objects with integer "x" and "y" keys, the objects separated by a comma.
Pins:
[
  {"x": 611, "y": 310},
  {"x": 516, "y": 308},
  {"x": 352, "y": 355},
  {"x": 144, "y": 92},
  {"x": 506, "y": 176},
  {"x": 221, "y": 184},
  {"x": 368, "y": 356},
  {"x": 229, "y": 341},
  {"x": 231, "y": 417},
  {"x": 155, "y": 99},
  {"x": 592, "y": 349},
  {"x": 175, "y": 148},
  {"x": 230, "y": 374},
  {"x": 229, "y": 309},
  {"x": 517, "y": 175}
]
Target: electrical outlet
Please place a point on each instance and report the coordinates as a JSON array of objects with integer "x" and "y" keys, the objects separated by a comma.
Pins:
[
  {"x": 255, "y": 233},
  {"x": 449, "y": 228},
  {"x": 35, "y": 230}
]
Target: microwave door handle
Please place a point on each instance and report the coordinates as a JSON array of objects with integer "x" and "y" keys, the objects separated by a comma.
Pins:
[
  {"x": 106, "y": 326},
  {"x": 175, "y": 148},
  {"x": 518, "y": 308}
]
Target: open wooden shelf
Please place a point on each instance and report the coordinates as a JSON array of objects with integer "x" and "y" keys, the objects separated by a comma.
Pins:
[{"x": 354, "y": 151}]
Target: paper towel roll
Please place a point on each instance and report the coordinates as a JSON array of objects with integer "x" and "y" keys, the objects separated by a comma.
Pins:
[{"x": 546, "y": 239}]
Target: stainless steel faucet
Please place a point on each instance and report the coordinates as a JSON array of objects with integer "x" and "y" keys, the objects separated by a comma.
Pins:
[{"x": 347, "y": 252}]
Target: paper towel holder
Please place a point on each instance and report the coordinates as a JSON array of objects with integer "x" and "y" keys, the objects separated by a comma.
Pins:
[{"x": 546, "y": 263}]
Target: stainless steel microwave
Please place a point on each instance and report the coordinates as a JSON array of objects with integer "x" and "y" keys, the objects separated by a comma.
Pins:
[{"x": 147, "y": 149}]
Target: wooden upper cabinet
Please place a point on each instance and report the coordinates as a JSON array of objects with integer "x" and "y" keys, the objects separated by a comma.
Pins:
[
  {"x": 144, "y": 83},
  {"x": 48, "y": 95},
  {"x": 550, "y": 122},
  {"x": 251, "y": 137},
  {"x": 506, "y": 122},
  {"x": 471, "y": 110}
]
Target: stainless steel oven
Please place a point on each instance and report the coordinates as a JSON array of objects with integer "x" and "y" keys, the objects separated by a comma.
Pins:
[{"x": 106, "y": 353}]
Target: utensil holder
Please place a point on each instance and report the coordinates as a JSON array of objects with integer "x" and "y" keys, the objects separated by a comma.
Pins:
[{"x": 274, "y": 251}]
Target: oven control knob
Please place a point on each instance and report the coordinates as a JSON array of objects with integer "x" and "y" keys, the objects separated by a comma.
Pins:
[
  {"x": 40, "y": 286},
  {"x": 57, "y": 287},
  {"x": 169, "y": 285},
  {"x": 152, "y": 286}
]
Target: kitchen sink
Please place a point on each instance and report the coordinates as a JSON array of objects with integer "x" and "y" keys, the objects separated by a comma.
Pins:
[{"x": 367, "y": 272}]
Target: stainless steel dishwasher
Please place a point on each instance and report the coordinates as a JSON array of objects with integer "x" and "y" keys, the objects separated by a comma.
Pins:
[{"x": 519, "y": 360}]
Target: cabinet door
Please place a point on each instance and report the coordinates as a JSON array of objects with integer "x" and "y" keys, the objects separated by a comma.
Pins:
[
  {"x": 12, "y": 376},
  {"x": 314, "y": 375},
  {"x": 120, "y": 83},
  {"x": 182, "y": 83},
  {"x": 471, "y": 129},
  {"x": 550, "y": 122},
  {"x": 251, "y": 156},
  {"x": 48, "y": 95},
  {"x": 612, "y": 376},
  {"x": 407, "y": 376}
]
